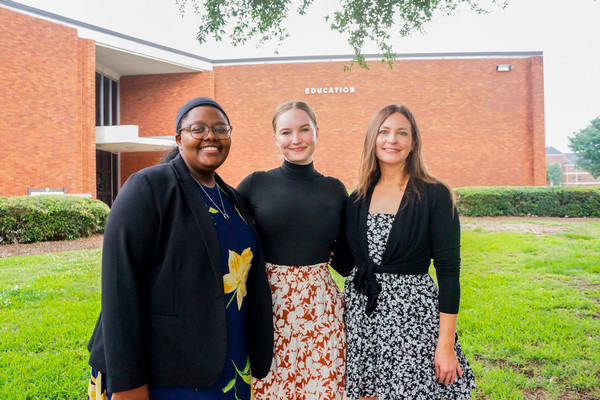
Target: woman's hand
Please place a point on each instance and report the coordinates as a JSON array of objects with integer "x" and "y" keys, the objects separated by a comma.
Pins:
[
  {"x": 446, "y": 364},
  {"x": 140, "y": 393},
  {"x": 445, "y": 360}
]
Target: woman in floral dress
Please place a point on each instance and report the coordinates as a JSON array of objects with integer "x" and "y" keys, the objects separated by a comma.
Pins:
[
  {"x": 299, "y": 216},
  {"x": 401, "y": 340}
]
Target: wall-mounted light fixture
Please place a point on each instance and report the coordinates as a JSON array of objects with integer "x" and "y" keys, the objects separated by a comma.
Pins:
[{"x": 503, "y": 67}]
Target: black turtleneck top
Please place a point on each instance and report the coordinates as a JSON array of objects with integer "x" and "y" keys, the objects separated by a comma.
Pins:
[{"x": 300, "y": 215}]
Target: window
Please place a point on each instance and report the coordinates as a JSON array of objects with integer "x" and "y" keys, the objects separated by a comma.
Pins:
[{"x": 107, "y": 101}]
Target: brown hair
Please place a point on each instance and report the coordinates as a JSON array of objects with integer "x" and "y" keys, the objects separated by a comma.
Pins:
[
  {"x": 369, "y": 172},
  {"x": 288, "y": 105}
]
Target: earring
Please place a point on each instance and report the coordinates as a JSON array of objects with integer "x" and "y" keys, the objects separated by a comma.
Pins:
[{"x": 180, "y": 149}]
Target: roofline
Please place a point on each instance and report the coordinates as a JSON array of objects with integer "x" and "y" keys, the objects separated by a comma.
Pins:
[
  {"x": 349, "y": 57},
  {"x": 70, "y": 21},
  {"x": 265, "y": 60}
]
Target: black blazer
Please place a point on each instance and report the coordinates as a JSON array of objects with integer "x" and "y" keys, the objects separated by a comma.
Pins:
[{"x": 162, "y": 321}]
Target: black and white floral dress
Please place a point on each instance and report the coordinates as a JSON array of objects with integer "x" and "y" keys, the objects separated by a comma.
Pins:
[{"x": 390, "y": 354}]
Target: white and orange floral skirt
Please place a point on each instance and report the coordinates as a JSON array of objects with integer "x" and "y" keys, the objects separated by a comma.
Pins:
[{"x": 310, "y": 344}]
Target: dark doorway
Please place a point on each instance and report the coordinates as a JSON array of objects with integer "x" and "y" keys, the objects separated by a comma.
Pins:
[{"x": 107, "y": 182}]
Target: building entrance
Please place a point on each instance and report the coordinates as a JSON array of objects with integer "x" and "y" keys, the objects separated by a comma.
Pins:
[{"x": 107, "y": 183}]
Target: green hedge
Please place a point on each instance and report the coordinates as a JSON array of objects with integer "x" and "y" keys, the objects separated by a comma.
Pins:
[
  {"x": 27, "y": 219},
  {"x": 554, "y": 201}
]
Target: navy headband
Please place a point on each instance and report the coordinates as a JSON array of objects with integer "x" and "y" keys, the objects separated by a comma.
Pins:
[{"x": 197, "y": 102}]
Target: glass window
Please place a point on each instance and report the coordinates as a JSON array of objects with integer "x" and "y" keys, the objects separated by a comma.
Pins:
[
  {"x": 98, "y": 99},
  {"x": 107, "y": 101},
  {"x": 114, "y": 92}
]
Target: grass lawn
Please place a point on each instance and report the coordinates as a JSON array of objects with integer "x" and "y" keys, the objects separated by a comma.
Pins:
[{"x": 529, "y": 320}]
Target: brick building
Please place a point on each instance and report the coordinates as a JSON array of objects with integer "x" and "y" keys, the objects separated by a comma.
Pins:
[
  {"x": 572, "y": 175},
  {"x": 83, "y": 108}
]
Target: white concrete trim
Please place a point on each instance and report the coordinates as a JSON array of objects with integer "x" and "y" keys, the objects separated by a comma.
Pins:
[{"x": 125, "y": 139}]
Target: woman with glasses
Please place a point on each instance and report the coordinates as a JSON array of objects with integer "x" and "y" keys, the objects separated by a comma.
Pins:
[
  {"x": 185, "y": 296},
  {"x": 299, "y": 214},
  {"x": 400, "y": 330}
]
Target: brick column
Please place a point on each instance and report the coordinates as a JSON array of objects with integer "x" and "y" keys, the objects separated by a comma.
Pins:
[{"x": 538, "y": 130}]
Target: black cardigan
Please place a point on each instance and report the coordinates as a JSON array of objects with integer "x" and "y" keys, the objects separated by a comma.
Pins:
[
  {"x": 163, "y": 317},
  {"x": 425, "y": 228}
]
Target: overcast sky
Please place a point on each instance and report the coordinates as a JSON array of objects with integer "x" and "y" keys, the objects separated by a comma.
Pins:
[{"x": 566, "y": 31}]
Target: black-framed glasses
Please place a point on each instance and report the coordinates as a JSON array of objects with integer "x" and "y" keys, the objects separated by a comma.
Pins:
[{"x": 200, "y": 131}]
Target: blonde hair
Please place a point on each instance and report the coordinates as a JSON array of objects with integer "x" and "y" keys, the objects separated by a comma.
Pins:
[
  {"x": 288, "y": 105},
  {"x": 369, "y": 171}
]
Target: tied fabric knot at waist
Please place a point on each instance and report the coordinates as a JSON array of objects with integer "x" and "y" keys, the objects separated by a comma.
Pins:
[
  {"x": 365, "y": 280},
  {"x": 366, "y": 283}
]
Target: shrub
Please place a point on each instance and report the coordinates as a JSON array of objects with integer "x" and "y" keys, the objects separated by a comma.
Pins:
[
  {"x": 542, "y": 201},
  {"x": 27, "y": 219}
]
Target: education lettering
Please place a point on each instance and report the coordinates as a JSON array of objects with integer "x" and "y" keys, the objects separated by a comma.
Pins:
[{"x": 329, "y": 90}]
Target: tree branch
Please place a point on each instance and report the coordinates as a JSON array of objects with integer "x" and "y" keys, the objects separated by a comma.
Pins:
[{"x": 359, "y": 20}]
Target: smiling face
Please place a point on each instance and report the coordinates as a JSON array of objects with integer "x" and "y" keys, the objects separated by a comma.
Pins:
[
  {"x": 296, "y": 136},
  {"x": 204, "y": 156},
  {"x": 394, "y": 140}
]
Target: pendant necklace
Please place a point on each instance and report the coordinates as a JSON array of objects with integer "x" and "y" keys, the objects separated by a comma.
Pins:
[{"x": 223, "y": 212}]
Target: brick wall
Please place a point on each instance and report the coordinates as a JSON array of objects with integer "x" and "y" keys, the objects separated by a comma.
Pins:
[
  {"x": 536, "y": 112},
  {"x": 135, "y": 161},
  {"x": 480, "y": 127},
  {"x": 45, "y": 128},
  {"x": 87, "y": 67},
  {"x": 152, "y": 102},
  {"x": 572, "y": 175},
  {"x": 556, "y": 159}
]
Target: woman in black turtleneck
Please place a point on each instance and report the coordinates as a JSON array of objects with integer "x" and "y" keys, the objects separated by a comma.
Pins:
[{"x": 299, "y": 214}]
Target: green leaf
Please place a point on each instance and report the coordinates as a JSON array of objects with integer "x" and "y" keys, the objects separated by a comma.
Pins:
[
  {"x": 229, "y": 386},
  {"x": 360, "y": 21},
  {"x": 245, "y": 375},
  {"x": 247, "y": 368}
]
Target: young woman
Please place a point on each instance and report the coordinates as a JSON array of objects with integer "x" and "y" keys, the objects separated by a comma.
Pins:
[
  {"x": 185, "y": 297},
  {"x": 299, "y": 214},
  {"x": 401, "y": 340}
]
